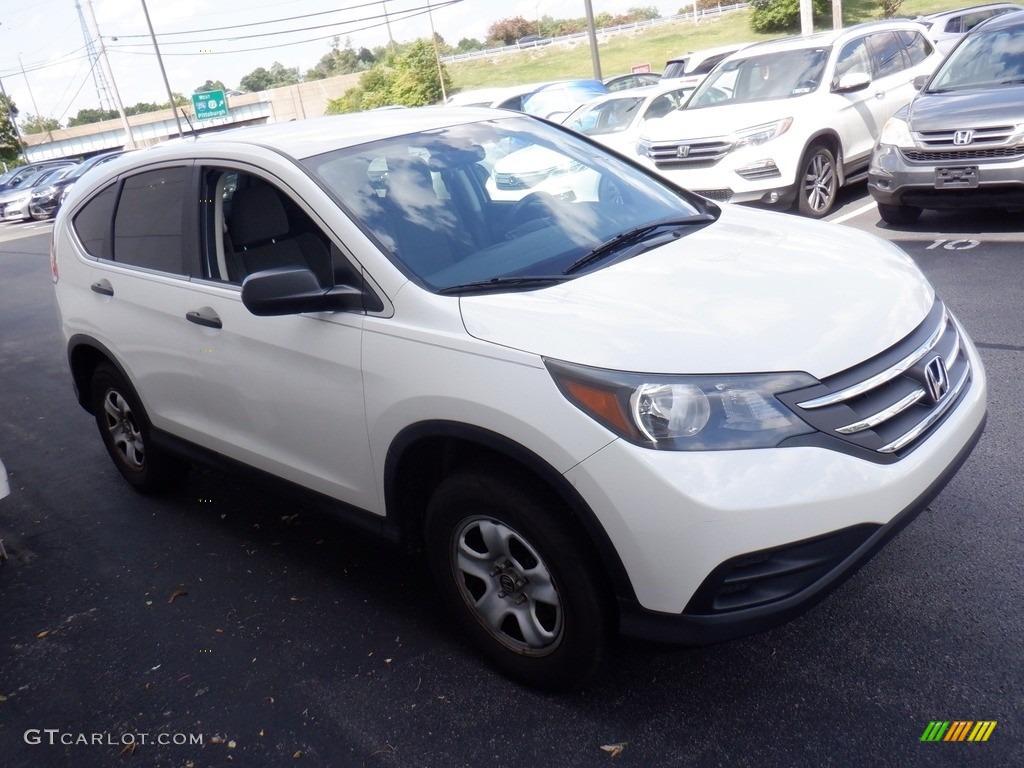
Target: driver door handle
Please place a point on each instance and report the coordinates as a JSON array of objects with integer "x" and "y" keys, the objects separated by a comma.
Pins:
[{"x": 204, "y": 316}]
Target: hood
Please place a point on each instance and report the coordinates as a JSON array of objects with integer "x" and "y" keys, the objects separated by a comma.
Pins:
[
  {"x": 719, "y": 120},
  {"x": 1002, "y": 105},
  {"x": 754, "y": 292}
]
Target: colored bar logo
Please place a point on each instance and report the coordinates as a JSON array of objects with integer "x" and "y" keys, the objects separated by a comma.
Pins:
[{"x": 958, "y": 730}]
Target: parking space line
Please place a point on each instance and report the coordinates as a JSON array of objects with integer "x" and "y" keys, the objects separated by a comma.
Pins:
[{"x": 853, "y": 214}]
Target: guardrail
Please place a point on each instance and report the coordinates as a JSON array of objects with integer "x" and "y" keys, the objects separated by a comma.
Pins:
[{"x": 701, "y": 14}]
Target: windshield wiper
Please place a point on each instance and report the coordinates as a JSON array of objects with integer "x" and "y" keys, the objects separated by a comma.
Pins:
[
  {"x": 635, "y": 235},
  {"x": 499, "y": 283}
]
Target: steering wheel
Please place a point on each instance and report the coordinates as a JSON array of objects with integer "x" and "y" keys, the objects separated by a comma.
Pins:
[{"x": 536, "y": 205}]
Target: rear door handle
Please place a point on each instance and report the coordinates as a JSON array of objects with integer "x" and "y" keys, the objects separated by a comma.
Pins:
[
  {"x": 204, "y": 316},
  {"x": 102, "y": 287}
]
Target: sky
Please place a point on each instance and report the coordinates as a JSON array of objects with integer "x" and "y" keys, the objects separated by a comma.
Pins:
[{"x": 44, "y": 39}]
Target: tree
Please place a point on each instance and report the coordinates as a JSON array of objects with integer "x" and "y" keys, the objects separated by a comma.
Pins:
[
  {"x": 890, "y": 8},
  {"x": 507, "y": 31},
  {"x": 10, "y": 147},
  {"x": 784, "y": 15},
  {"x": 409, "y": 78},
  {"x": 261, "y": 79},
  {"x": 468, "y": 44},
  {"x": 39, "y": 124},
  {"x": 340, "y": 61},
  {"x": 211, "y": 85},
  {"x": 87, "y": 116}
]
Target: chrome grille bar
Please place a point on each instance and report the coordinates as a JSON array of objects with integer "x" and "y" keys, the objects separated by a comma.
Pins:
[
  {"x": 863, "y": 387},
  {"x": 925, "y": 424}
]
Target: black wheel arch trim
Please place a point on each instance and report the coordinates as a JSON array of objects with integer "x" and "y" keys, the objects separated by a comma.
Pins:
[
  {"x": 76, "y": 345},
  {"x": 404, "y": 525}
]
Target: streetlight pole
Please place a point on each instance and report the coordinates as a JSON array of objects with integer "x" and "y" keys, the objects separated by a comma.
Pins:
[{"x": 163, "y": 71}]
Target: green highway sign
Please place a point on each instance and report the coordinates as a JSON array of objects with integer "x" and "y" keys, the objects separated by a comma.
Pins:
[{"x": 209, "y": 105}]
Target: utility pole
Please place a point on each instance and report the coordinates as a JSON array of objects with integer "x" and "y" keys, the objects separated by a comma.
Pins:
[
  {"x": 160, "y": 61},
  {"x": 437, "y": 55},
  {"x": 33, "y": 98},
  {"x": 595, "y": 57},
  {"x": 129, "y": 140}
]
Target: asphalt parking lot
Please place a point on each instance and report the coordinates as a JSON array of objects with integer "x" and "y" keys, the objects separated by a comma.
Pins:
[{"x": 226, "y": 624}]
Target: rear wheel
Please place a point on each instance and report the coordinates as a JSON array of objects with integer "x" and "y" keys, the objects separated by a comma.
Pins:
[
  {"x": 124, "y": 428},
  {"x": 513, "y": 571},
  {"x": 818, "y": 182},
  {"x": 898, "y": 214}
]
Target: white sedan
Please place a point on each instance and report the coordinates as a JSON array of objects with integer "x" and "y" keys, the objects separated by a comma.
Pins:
[{"x": 614, "y": 119}]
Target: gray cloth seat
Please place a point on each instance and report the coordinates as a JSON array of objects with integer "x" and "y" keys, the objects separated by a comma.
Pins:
[{"x": 260, "y": 235}]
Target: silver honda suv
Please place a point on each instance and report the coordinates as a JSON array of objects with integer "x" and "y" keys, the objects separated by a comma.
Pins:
[{"x": 960, "y": 142}]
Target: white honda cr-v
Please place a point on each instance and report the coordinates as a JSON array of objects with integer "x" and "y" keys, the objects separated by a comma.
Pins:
[{"x": 597, "y": 403}]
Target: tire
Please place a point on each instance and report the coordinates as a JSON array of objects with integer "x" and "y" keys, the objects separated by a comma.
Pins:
[
  {"x": 898, "y": 214},
  {"x": 818, "y": 183},
  {"x": 512, "y": 571},
  {"x": 124, "y": 429}
]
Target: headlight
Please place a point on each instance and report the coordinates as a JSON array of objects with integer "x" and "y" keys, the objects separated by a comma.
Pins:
[
  {"x": 686, "y": 413},
  {"x": 896, "y": 133},
  {"x": 48, "y": 192},
  {"x": 760, "y": 134}
]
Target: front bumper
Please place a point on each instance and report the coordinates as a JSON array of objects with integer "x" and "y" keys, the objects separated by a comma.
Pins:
[
  {"x": 17, "y": 211},
  {"x": 994, "y": 183},
  {"x": 719, "y": 545},
  {"x": 747, "y": 175}
]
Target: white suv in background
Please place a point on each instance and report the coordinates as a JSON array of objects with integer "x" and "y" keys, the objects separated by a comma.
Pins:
[{"x": 788, "y": 122}]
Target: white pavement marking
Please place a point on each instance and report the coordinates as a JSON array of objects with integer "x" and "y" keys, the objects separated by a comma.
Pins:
[{"x": 853, "y": 214}]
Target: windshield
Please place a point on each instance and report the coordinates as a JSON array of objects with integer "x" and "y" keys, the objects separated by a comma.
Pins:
[
  {"x": 506, "y": 198},
  {"x": 982, "y": 60},
  {"x": 764, "y": 77}
]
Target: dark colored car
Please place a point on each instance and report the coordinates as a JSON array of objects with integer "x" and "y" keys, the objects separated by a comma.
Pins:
[
  {"x": 16, "y": 177},
  {"x": 958, "y": 142},
  {"x": 45, "y": 201}
]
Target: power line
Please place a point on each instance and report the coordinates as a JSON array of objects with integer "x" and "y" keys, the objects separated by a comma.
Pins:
[
  {"x": 409, "y": 14},
  {"x": 261, "y": 23}
]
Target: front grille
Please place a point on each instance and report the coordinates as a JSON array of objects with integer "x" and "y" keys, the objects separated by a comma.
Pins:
[
  {"x": 703, "y": 153},
  {"x": 990, "y": 143},
  {"x": 891, "y": 403},
  {"x": 721, "y": 195},
  {"x": 960, "y": 156}
]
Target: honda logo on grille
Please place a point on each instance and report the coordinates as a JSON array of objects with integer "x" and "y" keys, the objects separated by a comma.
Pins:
[
  {"x": 683, "y": 151},
  {"x": 963, "y": 137},
  {"x": 936, "y": 378}
]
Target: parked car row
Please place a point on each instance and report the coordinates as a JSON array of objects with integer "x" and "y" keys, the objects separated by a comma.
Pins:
[{"x": 35, "y": 191}]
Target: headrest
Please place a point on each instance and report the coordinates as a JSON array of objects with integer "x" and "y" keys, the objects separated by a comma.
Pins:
[{"x": 256, "y": 215}]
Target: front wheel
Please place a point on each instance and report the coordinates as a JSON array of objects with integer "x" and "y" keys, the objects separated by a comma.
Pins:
[
  {"x": 124, "y": 428},
  {"x": 512, "y": 570},
  {"x": 818, "y": 182},
  {"x": 898, "y": 214}
]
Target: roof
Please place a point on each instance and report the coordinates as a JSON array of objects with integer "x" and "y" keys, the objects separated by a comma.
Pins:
[{"x": 306, "y": 138}]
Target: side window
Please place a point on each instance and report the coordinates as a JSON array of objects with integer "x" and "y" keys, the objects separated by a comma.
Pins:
[
  {"x": 149, "y": 220},
  {"x": 251, "y": 225},
  {"x": 886, "y": 54},
  {"x": 92, "y": 223},
  {"x": 853, "y": 58},
  {"x": 917, "y": 46}
]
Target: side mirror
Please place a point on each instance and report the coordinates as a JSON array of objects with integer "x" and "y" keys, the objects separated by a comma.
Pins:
[
  {"x": 919, "y": 81},
  {"x": 293, "y": 290},
  {"x": 852, "y": 81}
]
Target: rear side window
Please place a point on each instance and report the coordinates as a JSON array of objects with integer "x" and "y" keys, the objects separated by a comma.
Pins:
[
  {"x": 886, "y": 54},
  {"x": 93, "y": 222},
  {"x": 149, "y": 221},
  {"x": 917, "y": 46}
]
